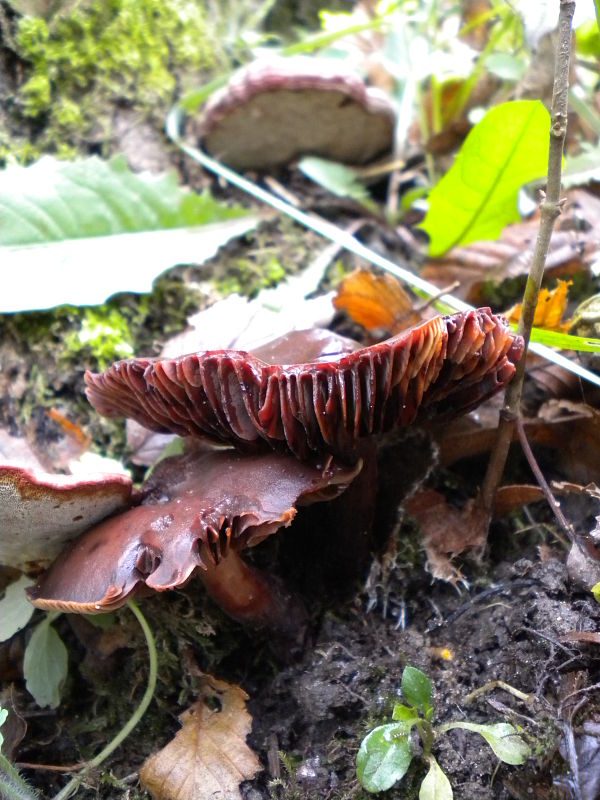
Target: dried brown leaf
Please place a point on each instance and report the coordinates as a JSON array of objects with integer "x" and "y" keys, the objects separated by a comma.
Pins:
[
  {"x": 446, "y": 531},
  {"x": 376, "y": 301},
  {"x": 209, "y": 757}
]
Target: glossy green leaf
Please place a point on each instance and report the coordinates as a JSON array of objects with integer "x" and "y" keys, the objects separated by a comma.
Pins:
[
  {"x": 436, "y": 785},
  {"x": 404, "y": 714},
  {"x": 502, "y": 737},
  {"x": 79, "y": 231},
  {"x": 384, "y": 757},
  {"x": 45, "y": 665},
  {"x": 477, "y": 197},
  {"x": 416, "y": 689},
  {"x": 336, "y": 178},
  {"x": 15, "y": 608}
]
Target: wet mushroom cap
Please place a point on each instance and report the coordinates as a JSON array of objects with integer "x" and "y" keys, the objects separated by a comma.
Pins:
[
  {"x": 198, "y": 508},
  {"x": 447, "y": 364},
  {"x": 41, "y": 512},
  {"x": 274, "y": 111}
]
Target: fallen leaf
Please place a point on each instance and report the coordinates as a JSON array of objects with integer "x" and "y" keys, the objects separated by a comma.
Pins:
[
  {"x": 446, "y": 531},
  {"x": 376, "y": 301},
  {"x": 57, "y": 215},
  {"x": 550, "y": 308},
  {"x": 209, "y": 757}
]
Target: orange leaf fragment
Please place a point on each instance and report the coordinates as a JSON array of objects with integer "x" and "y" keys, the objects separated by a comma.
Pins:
[
  {"x": 550, "y": 308},
  {"x": 375, "y": 301},
  {"x": 208, "y": 757}
]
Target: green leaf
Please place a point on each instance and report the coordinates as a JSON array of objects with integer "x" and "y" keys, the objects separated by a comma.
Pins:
[
  {"x": 502, "y": 737},
  {"x": 596, "y": 592},
  {"x": 478, "y": 196},
  {"x": 384, "y": 757},
  {"x": 416, "y": 689},
  {"x": 436, "y": 785},
  {"x": 15, "y": 608},
  {"x": 78, "y": 231},
  {"x": 404, "y": 713},
  {"x": 45, "y": 665},
  {"x": 336, "y": 178},
  {"x": 583, "y": 344}
]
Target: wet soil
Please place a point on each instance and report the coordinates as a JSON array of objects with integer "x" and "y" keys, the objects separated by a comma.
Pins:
[{"x": 370, "y": 615}]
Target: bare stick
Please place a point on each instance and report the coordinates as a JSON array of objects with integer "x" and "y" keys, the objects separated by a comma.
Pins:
[
  {"x": 543, "y": 483},
  {"x": 550, "y": 210}
]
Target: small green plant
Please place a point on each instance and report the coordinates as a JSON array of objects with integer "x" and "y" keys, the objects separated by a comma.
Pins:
[{"x": 385, "y": 753}]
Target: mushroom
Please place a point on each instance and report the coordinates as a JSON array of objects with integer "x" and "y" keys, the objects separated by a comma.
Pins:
[
  {"x": 200, "y": 510},
  {"x": 271, "y": 112},
  {"x": 41, "y": 512},
  {"x": 321, "y": 406}
]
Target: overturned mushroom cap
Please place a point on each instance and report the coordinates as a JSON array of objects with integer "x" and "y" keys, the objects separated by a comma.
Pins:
[
  {"x": 273, "y": 111},
  {"x": 41, "y": 512},
  {"x": 448, "y": 363},
  {"x": 199, "y": 507}
]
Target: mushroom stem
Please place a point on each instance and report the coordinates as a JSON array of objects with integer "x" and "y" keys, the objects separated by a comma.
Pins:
[{"x": 251, "y": 597}]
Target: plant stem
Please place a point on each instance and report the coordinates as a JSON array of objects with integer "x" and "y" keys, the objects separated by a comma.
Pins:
[
  {"x": 550, "y": 210},
  {"x": 73, "y": 784}
]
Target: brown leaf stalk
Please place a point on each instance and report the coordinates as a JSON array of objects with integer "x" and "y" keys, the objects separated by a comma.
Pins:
[{"x": 550, "y": 210}]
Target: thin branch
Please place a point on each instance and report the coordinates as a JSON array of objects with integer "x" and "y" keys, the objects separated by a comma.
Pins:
[{"x": 550, "y": 210}]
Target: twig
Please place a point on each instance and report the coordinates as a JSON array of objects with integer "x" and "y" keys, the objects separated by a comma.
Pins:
[
  {"x": 550, "y": 210},
  {"x": 543, "y": 483},
  {"x": 76, "y": 780}
]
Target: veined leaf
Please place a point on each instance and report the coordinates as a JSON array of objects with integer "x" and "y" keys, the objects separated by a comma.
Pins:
[
  {"x": 384, "y": 757},
  {"x": 436, "y": 785},
  {"x": 337, "y": 178},
  {"x": 416, "y": 689},
  {"x": 45, "y": 665},
  {"x": 15, "y": 608},
  {"x": 502, "y": 737},
  {"x": 477, "y": 197},
  {"x": 77, "y": 232}
]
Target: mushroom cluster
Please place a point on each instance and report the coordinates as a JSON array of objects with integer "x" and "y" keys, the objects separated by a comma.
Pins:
[{"x": 294, "y": 416}]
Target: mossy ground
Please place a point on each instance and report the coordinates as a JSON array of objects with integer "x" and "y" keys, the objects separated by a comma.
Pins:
[{"x": 86, "y": 60}]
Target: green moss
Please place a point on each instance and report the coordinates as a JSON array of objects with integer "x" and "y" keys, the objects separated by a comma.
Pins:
[
  {"x": 105, "y": 333},
  {"x": 100, "y": 54}
]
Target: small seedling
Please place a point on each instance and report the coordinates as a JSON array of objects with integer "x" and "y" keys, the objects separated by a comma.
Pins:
[{"x": 386, "y": 753}]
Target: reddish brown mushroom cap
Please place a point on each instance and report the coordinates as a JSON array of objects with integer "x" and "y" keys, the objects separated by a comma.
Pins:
[
  {"x": 199, "y": 508},
  {"x": 273, "y": 111},
  {"x": 320, "y": 407},
  {"x": 41, "y": 512}
]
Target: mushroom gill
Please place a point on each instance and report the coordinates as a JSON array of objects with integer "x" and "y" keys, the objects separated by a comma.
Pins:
[
  {"x": 200, "y": 510},
  {"x": 322, "y": 406}
]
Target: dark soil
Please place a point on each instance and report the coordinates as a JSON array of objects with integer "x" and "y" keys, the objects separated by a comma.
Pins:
[{"x": 311, "y": 708}]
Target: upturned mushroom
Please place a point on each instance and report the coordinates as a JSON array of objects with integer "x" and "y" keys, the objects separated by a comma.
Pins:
[
  {"x": 200, "y": 510},
  {"x": 271, "y": 112},
  {"x": 311, "y": 395},
  {"x": 322, "y": 406}
]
